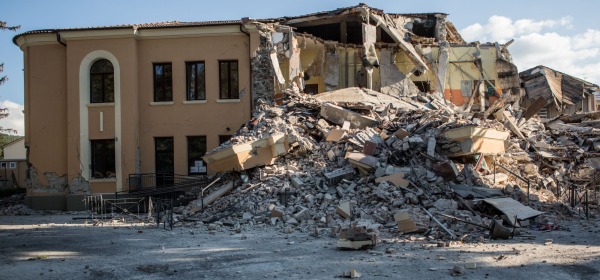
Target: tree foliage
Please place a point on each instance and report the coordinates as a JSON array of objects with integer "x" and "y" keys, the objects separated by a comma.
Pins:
[{"x": 3, "y": 79}]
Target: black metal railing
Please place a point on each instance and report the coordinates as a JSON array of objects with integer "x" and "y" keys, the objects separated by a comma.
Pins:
[{"x": 161, "y": 192}]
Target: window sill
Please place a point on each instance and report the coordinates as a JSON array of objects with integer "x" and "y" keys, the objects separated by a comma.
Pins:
[
  {"x": 228, "y": 100},
  {"x": 164, "y": 103},
  {"x": 111, "y": 104},
  {"x": 194, "y": 101},
  {"x": 103, "y": 180}
]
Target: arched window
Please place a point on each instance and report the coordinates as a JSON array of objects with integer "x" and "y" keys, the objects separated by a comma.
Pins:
[{"x": 102, "y": 89}]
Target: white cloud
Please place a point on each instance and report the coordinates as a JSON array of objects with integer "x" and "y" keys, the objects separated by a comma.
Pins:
[
  {"x": 15, "y": 119},
  {"x": 502, "y": 29},
  {"x": 540, "y": 43}
]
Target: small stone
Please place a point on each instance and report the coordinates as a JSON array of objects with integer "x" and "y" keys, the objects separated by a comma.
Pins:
[
  {"x": 470, "y": 265},
  {"x": 458, "y": 270}
]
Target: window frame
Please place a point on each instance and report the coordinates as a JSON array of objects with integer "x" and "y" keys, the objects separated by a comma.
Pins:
[
  {"x": 199, "y": 91},
  {"x": 166, "y": 83},
  {"x": 233, "y": 87},
  {"x": 110, "y": 165},
  {"x": 191, "y": 160},
  {"x": 105, "y": 96}
]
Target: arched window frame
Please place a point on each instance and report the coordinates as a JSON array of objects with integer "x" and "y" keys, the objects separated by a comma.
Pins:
[{"x": 102, "y": 77}]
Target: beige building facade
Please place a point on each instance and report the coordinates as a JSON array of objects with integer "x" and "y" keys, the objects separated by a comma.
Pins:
[{"x": 129, "y": 92}]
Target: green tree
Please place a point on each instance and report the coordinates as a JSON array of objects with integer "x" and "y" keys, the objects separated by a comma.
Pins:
[{"x": 3, "y": 79}]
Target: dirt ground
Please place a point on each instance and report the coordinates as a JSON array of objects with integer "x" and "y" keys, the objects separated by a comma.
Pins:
[{"x": 56, "y": 246}]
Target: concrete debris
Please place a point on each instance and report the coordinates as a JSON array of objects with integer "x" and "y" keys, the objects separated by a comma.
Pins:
[
  {"x": 405, "y": 223},
  {"x": 389, "y": 159},
  {"x": 353, "y": 273}
]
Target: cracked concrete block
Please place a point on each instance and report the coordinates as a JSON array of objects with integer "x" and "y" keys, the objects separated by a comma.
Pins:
[{"x": 344, "y": 210}]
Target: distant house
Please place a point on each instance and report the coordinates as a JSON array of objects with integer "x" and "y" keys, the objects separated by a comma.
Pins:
[
  {"x": 557, "y": 93},
  {"x": 13, "y": 166},
  {"x": 15, "y": 149}
]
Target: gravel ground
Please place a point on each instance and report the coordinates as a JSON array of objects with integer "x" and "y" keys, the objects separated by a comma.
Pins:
[{"x": 56, "y": 246}]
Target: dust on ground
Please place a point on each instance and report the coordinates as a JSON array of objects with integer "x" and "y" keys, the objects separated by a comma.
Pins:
[{"x": 54, "y": 245}]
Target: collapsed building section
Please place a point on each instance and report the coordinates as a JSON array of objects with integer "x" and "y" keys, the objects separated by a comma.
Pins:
[
  {"x": 551, "y": 93},
  {"x": 394, "y": 121},
  {"x": 396, "y": 54}
]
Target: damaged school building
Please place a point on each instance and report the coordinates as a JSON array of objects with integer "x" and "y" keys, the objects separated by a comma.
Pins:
[{"x": 353, "y": 119}]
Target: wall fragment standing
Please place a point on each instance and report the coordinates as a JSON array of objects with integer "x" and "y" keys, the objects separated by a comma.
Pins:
[{"x": 394, "y": 82}]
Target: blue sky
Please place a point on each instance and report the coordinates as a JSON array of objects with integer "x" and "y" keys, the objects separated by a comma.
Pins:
[{"x": 564, "y": 35}]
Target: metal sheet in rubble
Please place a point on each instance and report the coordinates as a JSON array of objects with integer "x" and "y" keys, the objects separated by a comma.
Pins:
[
  {"x": 512, "y": 208},
  {"x": 476, "y": 192}
]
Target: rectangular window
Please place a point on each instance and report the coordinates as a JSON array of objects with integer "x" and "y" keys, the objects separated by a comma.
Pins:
[
  {"x": 467, "y": 87},
  {"x": 195, "y": 81},
  {"x": 228, "y": 79},
  {"x": 196, "y": 149},
  {"x": 311, "y": 89},
  {"x": 163, "y": 82},
  {"x": 490, "y": 88},
  {"x": 103, "y": 158},
  {"x": 224, "y": 138}
]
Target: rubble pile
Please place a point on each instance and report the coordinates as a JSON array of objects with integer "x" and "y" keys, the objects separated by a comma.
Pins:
[
  {"x": 359, "y": 160},
  {"x": 13, "y": 205}
]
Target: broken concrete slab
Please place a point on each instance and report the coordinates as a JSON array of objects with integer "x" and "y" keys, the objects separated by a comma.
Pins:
[
  {"x": 396, "y": 179},
  {"x": 339, "y": 115},
  {"x": 404, "y": 222},
  {"x": 335, "y": 135},
  {"x": 247, "y": 155},
  {"x": 218, "y": 193},
  {"x": 475, "y": 140},
  {"x": 365, "y": 97},
  {"x": 363, "y": 161},
  {"x": 474, "y": 131},
  {"x": 513, "y": 209},
  {"x": 344, "y": 210},
  {"x": 467, "y": 191}
]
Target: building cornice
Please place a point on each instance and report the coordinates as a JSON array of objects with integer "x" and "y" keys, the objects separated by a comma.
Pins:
[
  {"x": 219, "y": 30},
  {"x": 36, "y": 40},
  {"x": 50, "y": 37}
]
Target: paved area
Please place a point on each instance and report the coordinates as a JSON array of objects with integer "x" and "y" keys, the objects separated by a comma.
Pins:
[{"x": 59, "y": 247}]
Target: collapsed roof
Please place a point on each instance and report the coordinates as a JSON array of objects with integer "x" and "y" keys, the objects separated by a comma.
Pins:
[{"x": 555, "y": 87}]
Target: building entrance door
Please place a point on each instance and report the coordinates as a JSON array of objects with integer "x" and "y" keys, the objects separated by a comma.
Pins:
[{"x": 164, "y": 162}]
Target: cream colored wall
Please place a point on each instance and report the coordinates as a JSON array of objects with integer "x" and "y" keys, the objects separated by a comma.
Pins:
[
  {"x": 460, "y": 67},
  {"x": 179, "y": 120},
  {"x": 15, "y": 150},
  {"x": 104, "y": 129},
  {"x": 46, "y": 108}
]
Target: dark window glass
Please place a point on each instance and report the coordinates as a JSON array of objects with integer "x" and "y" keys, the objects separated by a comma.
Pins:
[
  {"x": 196, "y": 150},
  {"x": 103, "y": 158},
  {"x": 228, "y": 80},
  {"x": 224, "y": 138},
  {"x": 195, "y": 81},
  {"x": 311, "y": 89},
  {"x": 163, "y": 148},
  {"x": 163, "y": 82},
  {"x": 490, "y": 89},
  {"x": 102, "y": 88}
]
